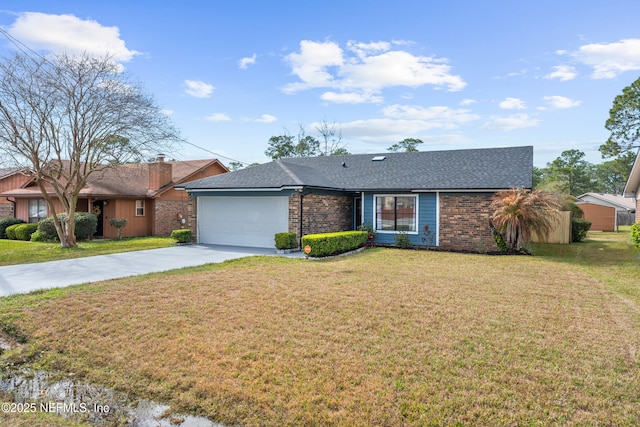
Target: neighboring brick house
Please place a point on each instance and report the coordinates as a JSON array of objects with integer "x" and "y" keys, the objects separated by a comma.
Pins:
[
  {"x": 438, "y": 198},
  {"x": 141, "y": 193},
  {"x": 632, "y": 188}
]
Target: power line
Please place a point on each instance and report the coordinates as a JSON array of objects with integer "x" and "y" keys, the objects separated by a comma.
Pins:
[{"x": 26, "y": 50}]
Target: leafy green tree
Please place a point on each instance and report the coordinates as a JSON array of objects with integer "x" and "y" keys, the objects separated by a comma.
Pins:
[
  {"x": 303, "y": 145},
  {"x": 407, "y": 145},
  {"x": 568, "y": 174},
  {"x": 624, "y": 125},
  {"x": 611, "y": 176}
]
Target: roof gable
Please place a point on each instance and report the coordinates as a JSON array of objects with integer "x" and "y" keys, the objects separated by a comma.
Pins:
[{"x": 474, "y": 169}]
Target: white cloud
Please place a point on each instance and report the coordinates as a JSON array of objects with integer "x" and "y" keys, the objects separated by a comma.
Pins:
[
  {"x": 610, "y": 59},
  {"x": 467, "y": 101},
  {"x": 351, "y": 98},
  {"x": 245, "y": 62},
  {"x": 218, "y": 117},
  {"x": 513, "y": 104},
  {"x": 365, "y": 69},
  {"x": 563, "y": 73},
  {"x": 266, "y": 118},
  {"x": 198, "y": 89},
  {"x": 561, "y": 102},
  {"x": 516, "y": 121},
  {"x": 167, "y": 112},
  {"x": 68, "y": 33},
  {"x": 437, "y": 116}
]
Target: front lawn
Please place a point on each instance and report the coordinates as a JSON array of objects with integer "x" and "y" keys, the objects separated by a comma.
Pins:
[
  {"x": 385, "y": 337},
  {"x": 19, "y": 252}
]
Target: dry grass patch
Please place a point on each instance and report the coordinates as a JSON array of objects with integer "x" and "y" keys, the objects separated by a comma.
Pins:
[{"x": 387, "y": 337}]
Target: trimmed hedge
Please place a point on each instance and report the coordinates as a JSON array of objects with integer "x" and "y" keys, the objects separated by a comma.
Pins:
[
  {"x": 286, "y": 241},
  {"x": 579, "y": 228},
  {"x": 182, "y": 235},
  {"x": 6, "y": 222},
  {"x": 24, "y": 231},
  {"x": 328, "y": 244},
  {"x": 635, "y": 234},
  {"x": 11, "y": 231},
  {"x": 86, "y": 226}
]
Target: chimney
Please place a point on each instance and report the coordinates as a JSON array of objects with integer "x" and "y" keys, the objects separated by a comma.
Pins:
[{"x": 159, "y": 173}]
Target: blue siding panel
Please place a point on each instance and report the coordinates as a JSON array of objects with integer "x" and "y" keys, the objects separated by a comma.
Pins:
[{"x": 427, "y": 215}]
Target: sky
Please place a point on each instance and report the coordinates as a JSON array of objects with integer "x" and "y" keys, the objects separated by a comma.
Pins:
[{"x": 456, "y": 74}]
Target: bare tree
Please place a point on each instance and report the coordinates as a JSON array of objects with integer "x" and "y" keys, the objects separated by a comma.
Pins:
[
  {"x": 331, "y": 142},
  {"x": 66, "y": 118}
]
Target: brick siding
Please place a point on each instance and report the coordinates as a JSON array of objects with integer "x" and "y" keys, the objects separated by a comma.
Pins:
[
  {"x": 166, "y": 216},
  {"x": 192, "y": 216},
  {"x": 6, "y": 210},
  {"x": 320, "y": 213},
  {"x": 464, "y": 222}
]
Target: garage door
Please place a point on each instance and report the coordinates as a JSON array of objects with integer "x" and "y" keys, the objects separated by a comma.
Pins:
[{"x": 242, "y": 221}]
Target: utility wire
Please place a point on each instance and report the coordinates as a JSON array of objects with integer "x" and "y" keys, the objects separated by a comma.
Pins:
[{"x": 26, "y": 50}]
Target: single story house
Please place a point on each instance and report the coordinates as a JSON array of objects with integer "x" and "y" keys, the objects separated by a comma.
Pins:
[
  {"x": 632, "y": 188},
  {"x": 141, "y": 193},
  {"x": 604, "y": 210},
  {"x": 10, "y": 179},
  {"x": 438, "y": 198}
]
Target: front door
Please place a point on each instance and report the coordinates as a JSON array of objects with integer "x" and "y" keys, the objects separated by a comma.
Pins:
[{"x": 98, "y": 210}]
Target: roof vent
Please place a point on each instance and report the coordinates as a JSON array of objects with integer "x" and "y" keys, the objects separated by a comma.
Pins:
[{"x": 378, "y": 158}]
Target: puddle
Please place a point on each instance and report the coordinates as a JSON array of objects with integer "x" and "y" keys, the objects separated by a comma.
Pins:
[{"x": 94, "y": 405}]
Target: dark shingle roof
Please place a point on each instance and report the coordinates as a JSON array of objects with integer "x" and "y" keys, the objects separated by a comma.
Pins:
[{"x": 490, "y": 168}]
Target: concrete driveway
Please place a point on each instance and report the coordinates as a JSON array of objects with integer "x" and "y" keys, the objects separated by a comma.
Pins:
[{"x": 23, "y": 278}]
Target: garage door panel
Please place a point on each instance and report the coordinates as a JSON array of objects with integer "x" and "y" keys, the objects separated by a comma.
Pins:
[{"x": 242, "y": 221}]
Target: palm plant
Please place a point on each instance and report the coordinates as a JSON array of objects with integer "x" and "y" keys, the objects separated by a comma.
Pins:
[{"x": 519, "y": 212}]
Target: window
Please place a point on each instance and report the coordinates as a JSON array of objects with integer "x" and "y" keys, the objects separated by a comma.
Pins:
[
  {"x": 37, "y": 210},
  {"x": 139, "y": 207},
  {"x": 396, "y": 213}
]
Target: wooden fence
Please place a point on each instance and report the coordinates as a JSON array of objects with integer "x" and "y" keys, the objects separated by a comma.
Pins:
[
  {"x": 560, "y": 229},
  {"x": 625, "y": 218}
]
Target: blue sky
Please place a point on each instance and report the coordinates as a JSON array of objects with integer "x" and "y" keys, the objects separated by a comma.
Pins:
[{"x": 456, "y": 74}]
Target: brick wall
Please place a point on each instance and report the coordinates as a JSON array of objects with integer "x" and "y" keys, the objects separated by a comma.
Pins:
[
  {"x": 464, "y": 222},
  {"x": 166, "y": 216},
  {"x": 6, "y": 210},
  {"x": 191, "y": 217},
  {"x": 637, "y": 209},
  {"x": 320, "y": 213}
]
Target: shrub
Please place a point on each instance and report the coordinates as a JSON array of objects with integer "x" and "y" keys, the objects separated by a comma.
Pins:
[
  {"x": 579, "y": 228},
  {"x": 286, "y": 241},
  {"x": 24, "y": 231},
  {"x": 181, "y": 236},
  {"x": 5, "y": 222},
  {"x": 86, "y": 226},
  {"x": 36, "y": 237},
  {"x": 635, "y": 234},
  {"x": 402, "y": 240},
  {"x": 11, "y": 231},
  {"x": 334, "y": 243},
  {"x": 118, "y": 224}
]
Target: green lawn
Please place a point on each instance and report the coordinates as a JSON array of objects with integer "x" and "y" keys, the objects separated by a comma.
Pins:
[
  {"x": 385, "y": 337},
  {"x": 19, "y": 252}
]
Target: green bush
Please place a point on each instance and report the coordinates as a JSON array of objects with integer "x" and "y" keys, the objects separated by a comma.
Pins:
[
  {"x": 11, "y": 231},
  {"x": 579, "y": 228},
  {"x": 86, "y": 226},
  {"x": 402, "y": 240},
  {"x": 181, "y": 236},
  {"x": 35, "y": 237},
  {"x": 118, "y": 224},
  {"x": 24, "y": 231},
  {"x": 5, "y": 222},
  {"x": 635, "y": 234},
  {"x": 286, "y": 241},
  {"x": 334, "y": 243}
]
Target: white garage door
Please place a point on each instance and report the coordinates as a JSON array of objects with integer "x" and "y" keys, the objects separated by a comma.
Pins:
[{"x": 242, "y": 221}]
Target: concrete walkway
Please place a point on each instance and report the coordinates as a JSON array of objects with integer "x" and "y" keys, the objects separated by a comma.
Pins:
[{"x": 23, "y": 278}]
